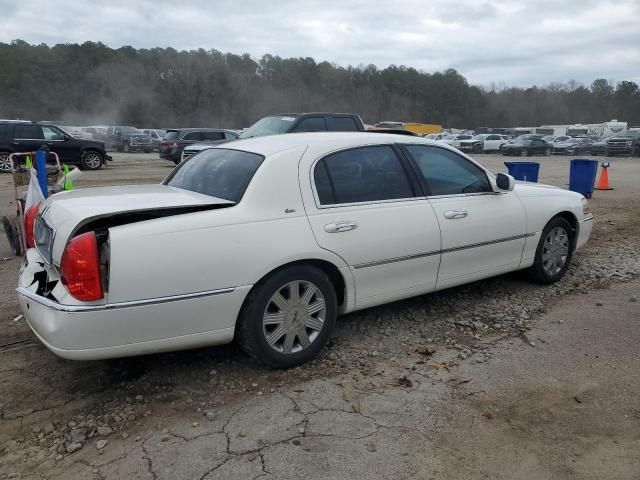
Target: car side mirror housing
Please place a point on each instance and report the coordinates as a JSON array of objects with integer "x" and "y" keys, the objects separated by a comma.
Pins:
[{"x": 505, "y": 182}]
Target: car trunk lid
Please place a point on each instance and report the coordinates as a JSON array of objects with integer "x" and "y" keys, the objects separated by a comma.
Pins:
[{"x": 67, "y": 213}]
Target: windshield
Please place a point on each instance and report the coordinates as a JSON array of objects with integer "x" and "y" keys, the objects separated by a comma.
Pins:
[
  {"x": 268, "y": 126},
  {"x": 217, "y": 172},
  {"x": 630, "y": 134},
  {"x": 522, "y": 141}
]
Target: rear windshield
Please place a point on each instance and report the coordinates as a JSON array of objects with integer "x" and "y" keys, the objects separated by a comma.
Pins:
[
  {"x": 217, "y": 172},
  {"x": 171, "y": 135},
  {"x": 269, "y": 126}
]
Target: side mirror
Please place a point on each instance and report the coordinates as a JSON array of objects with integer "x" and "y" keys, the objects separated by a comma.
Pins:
[{"x": 505, "y": 182}]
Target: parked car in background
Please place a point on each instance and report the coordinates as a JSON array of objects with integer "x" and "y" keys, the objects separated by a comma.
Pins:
[
  {"x": 483, "y": 143},
  {"x": 573, "y": 146},
  {"x": 304, "y": 122},
  {"x": 77, "y": 132},
  {"x": 272, "y": 238},
  {"x": 156, "y": 137},
  {"x": 175, "y": 140},
  {"x": 599, "y": 146},
  {"x": 27, "y": 136},
  {"x": 128, "y": 139},
  {"x": 527, "y": 145},
  {"x": 455, "y": 139},
  {"x": 626, "y": 143},
  {"x": 97, "y": 132}
]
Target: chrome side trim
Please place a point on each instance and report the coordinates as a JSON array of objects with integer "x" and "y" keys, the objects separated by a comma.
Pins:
[
  {"x": 113, "y": 306},
  {"x": 490, "y": 242},
  {"x": 440, "y": 252},
  {"x": 587, "y": 219},
  {"x": 396, "y": 259}
]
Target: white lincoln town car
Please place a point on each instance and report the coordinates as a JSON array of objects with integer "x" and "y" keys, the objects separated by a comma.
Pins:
[{"x": 267, "y": 240}]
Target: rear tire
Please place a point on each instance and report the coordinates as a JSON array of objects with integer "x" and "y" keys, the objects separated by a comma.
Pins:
[
  {"x": 524, "y": 153},
  {"x": 12, "y": 232},
  {"x": 554, "y": 252},
  {"x": 288, "y": 317}
]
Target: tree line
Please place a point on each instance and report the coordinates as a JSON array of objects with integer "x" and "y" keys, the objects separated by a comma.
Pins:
[{"x": 162, "y": 87}]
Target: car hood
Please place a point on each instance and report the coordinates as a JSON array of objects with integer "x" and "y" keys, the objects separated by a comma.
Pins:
[
  {"x": 529, "y": 189},
  {"x": 66, "y": 212}
]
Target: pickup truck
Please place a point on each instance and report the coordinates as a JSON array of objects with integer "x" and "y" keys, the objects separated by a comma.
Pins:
[
  {"x": 625, "y": 143},
  {"x": 128, "y": 139}
]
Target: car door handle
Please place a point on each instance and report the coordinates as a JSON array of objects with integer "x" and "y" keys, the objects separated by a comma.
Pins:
[
  {"x": 340, "y": 227},
  {"x": 455, "y": 214}
]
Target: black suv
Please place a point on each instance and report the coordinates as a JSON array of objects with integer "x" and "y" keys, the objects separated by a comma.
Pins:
[
  {"x": 304, "y": 122},
  {"x": 175, "y": 140},
  {"x": 21, "y": 136},
  {"x": 625, "y": 143}
]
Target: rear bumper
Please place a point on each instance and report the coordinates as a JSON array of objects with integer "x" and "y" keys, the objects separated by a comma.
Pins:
[{"x": 91, "y": 332}]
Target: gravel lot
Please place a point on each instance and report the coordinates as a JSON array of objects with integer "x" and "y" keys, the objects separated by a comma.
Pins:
[{"x": 498, "y": 379}]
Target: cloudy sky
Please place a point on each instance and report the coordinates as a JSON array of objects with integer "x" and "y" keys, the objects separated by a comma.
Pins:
[{"x": 518, "y": 42}]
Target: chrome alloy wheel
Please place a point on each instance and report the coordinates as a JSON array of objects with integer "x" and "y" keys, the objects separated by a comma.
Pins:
[
  {"x": 92, "y": 160},
  {"x": 294, "y": 317},
  {"x": 5, "y": 163},
  {"x": 555, "y": 251}
]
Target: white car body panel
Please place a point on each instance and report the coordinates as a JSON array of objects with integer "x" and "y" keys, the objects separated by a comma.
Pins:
[
  {"x": 180, "y": 281},
  {"x": 481, "y": 226}
]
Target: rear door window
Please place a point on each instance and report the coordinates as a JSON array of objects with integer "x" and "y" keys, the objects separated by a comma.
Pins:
[
  {"x": 342, "y": 124},
  {"x": 192, "y": 136},
  {"x": 28, "y": 132},
  {"x": 447, "y": 173},
  {"x": 4, "y": 130},
  {"x": 212, "y": 135},
  {"x": 217, "y": 172},
  {"x": 364, "y": 174},
  {"x": 311, "y": 124}
]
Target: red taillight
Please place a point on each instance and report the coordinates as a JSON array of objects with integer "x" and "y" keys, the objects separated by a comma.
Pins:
[
  {"x": 29, "y": 222},
  {"x": 80, "y": 268}
]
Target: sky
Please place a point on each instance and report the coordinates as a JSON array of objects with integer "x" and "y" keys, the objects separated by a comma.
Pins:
[{"x": 512, "y": 43}]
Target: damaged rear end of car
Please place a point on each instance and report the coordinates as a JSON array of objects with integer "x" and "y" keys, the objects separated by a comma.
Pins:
[{"x": 65, "y": 279}]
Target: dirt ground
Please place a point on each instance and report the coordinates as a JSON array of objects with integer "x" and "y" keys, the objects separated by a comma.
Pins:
[{"x": 498, "y": 379}]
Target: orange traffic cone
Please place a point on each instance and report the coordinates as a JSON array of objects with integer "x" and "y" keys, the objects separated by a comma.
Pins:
[{"x": 603, "y": 182}]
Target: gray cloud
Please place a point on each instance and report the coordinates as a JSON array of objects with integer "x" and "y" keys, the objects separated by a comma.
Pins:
[{"x": 516, "y": 42}]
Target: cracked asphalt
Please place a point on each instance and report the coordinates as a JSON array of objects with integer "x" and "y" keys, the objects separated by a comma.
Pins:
[{"x": 499, "y": 379}]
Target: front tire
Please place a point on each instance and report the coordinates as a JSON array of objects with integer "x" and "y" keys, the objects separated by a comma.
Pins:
[
  {"x": 91, "y": 160},
  {"x": 524, "y": 153},
  {"x": 554, "y": 252},
  {"x": 5, "y": 163},
  {"x": 288, "y": 317}
]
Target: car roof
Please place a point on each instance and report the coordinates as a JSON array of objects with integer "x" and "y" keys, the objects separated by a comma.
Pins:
[{"x": 271, "y": 144}]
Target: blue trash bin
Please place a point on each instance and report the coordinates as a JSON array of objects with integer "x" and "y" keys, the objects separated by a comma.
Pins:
[
  {"x": 527, "y": 171},
  {"x": 582, "y": 176}
]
